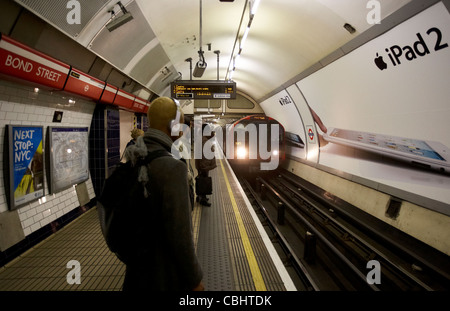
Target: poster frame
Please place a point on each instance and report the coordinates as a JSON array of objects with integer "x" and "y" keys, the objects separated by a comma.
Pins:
[
  {"x": 9, "y": 168},
  {"x": 50, "y": 158}
]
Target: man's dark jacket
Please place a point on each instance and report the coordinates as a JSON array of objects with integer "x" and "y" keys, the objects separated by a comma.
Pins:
[{"x": 171, "y": 263}]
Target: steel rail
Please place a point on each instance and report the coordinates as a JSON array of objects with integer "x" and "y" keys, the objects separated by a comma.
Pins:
[
  {"x": 320, "y": 236},
  {"x": 379, "y": 234},
  {"x": 367, "y": 247},
  {"x": 308, "y": 281}
]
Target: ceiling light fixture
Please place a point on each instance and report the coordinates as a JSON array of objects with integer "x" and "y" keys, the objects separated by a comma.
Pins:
[
  {"x": 252, "y": 8},
  {"x": 244, "y": 38}
]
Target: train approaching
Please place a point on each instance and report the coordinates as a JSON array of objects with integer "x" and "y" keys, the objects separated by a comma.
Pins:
[{"x": 255, "y": 142}]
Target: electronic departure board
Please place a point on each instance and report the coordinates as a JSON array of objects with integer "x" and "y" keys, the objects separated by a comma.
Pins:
[{"x": 206, "y": 89}]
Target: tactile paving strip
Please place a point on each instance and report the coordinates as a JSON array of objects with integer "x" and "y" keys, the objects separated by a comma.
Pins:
[
  {"x": 244, "y": 281},
  {"x": 220, "y": 248}
]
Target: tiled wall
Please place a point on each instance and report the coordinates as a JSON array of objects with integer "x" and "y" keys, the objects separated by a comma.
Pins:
[
  {"x": 21, "y": 104},
  {"x": 142, "y": 122},
  {"x": 104, "y": 144},
  {"x": 113, "y": 138},
  {"x": 97, "y": 148}
]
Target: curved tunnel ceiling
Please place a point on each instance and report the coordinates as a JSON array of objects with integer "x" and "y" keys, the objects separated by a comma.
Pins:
[{"x": 286, "y": 36}]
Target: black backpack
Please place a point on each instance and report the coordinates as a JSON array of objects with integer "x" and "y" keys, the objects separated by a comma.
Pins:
[{"x": 122, "y": 206}]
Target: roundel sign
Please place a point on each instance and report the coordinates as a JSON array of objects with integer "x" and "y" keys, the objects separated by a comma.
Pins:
[{"x": 311, "y": 134}]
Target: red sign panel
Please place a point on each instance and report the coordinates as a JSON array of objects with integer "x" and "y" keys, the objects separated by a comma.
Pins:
[
  {"x": 147, "y": 106},
  {"x": 84, "y": 85},
  {"x": 109, "y": 94},
  {"x": 22, "y": 62},
  {"x": 124, "y": 99},
  {"x": 139, "y": 105}
]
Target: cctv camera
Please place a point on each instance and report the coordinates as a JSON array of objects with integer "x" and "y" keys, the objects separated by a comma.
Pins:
[
  {"x": 199, "y": 69},
  {"x": 119, "y": 21}
]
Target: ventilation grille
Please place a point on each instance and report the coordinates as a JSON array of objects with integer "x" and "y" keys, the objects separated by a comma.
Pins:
[{"x": 55, "y": 12}]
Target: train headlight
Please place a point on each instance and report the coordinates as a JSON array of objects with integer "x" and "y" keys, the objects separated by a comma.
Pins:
[
  {"x": 275, "y": 152},
  {"x": 241, "y": 152}
]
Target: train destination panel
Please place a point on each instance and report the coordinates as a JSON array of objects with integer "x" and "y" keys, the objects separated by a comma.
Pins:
[{"x": 203, "y": 89}]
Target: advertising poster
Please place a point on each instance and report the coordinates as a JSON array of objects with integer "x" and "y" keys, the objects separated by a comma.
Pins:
[
  {"x": 385, "y": 109},
  {"x": 69, "y": 162},
  {"x": 282, "y": 108},
  {"x": 26, "y": 164}
]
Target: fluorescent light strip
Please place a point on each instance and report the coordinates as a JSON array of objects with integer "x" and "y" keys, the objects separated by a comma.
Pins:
[
  {"x": 254, "y": 7},
  {"x": 244, "y": 37}
]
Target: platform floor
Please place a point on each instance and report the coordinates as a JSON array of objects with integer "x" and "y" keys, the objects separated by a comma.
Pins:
[
  {"x": 232, "y": 249},
  {"x": 44, "y": 267}
]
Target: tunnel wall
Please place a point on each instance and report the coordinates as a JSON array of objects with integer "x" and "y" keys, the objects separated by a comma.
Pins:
[{"x": 405, "y": 96}]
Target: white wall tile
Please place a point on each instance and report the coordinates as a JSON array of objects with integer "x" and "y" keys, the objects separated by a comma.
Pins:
[
  {"x": 7, "y": 106},
  {"x": 21, "y": 105}
]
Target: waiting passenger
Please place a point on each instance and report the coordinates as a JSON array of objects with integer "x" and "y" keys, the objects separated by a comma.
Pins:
[
  {"x": 135, "y": 133},
  {"x": 171, "y": 262},
  {"x": 203, "y": 166}
]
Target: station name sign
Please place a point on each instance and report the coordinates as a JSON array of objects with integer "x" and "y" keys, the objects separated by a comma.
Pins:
[{"x": 206, "y": 89}]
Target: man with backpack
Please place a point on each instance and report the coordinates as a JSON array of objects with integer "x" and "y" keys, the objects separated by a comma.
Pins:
[{"x": 167, "y": 258}]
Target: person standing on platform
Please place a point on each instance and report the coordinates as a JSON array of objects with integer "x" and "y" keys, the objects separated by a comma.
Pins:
[
  {"x": 169, "y": 261},
  {"x": 135, "y": 133},
  {"x": 203, "y": 166}
]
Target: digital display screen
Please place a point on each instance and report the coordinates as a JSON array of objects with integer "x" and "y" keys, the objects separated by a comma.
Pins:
[
  {"x": 405, "y": 145},
  {"x": 203, "y": 90}
]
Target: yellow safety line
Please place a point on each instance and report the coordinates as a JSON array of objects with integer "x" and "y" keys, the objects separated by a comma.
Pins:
[{"x": 254, "y": 268}]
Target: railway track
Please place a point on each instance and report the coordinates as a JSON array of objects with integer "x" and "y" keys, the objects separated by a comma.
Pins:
[{"x": 331, "y": 245}]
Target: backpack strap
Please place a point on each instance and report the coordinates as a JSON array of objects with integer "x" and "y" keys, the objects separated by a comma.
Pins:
[{"x": 149, "y": 158}]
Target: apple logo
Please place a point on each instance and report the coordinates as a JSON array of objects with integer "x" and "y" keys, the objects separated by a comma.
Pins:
[{"x": 380, "y": 62}]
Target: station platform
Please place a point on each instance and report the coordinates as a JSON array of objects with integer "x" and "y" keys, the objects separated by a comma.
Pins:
[{"x": 232, "y": 246}]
